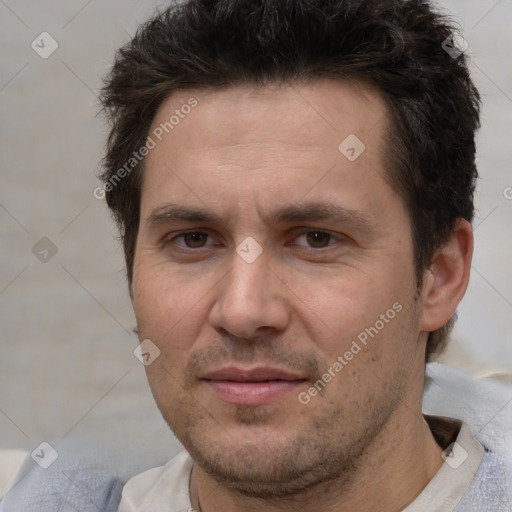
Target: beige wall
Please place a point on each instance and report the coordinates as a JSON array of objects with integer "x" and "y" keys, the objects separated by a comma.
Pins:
[{"x": 67, "y": 361}]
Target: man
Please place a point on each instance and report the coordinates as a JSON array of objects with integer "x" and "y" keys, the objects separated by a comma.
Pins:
[{"x": 293, "y": 182}]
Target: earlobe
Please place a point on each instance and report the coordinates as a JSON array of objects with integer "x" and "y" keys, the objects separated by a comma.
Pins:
[{"x": 447, "y": 278}]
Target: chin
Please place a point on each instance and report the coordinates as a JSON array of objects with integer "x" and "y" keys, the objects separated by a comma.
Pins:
[{"x": 270, "y": 465}]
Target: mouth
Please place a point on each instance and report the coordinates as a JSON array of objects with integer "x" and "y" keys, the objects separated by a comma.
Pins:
[{"x": 252, "y": 387}]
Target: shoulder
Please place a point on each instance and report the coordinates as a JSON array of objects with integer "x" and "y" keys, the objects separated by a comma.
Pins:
[
  {"x": 158, "y": 487},
  {"x": 491, "y": 488}
]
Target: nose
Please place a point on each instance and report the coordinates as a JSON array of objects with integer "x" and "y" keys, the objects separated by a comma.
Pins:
[{"x": 251, "y": 297}]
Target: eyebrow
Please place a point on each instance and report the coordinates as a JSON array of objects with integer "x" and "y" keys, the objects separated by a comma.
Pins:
[{"x": 292, "y": 213}]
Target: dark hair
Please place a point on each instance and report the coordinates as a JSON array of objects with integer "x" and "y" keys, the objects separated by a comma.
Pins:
[{"x": 398, "y": 46}]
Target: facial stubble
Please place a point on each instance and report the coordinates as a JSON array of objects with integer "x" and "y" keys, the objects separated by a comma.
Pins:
[{"x": 320, "y": 454}]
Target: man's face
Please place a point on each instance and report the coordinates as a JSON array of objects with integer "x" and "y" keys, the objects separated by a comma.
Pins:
[{"x": 264, "y": 295}]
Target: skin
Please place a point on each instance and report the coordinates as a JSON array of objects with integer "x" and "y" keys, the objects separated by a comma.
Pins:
[{"x": 361, "y": 443}]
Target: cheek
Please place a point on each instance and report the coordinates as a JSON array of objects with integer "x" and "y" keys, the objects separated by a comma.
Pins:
[
  {"x": 339, "y": 306},
  {"x": 163, "y": 293},
  {"x": 167, "y": 310},
  {"x": 365, "y": 324}
]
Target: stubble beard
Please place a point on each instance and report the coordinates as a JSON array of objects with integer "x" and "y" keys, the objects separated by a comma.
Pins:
[
  {"x": 322, "y": 455},
  {"x": 288, "y": 461}
]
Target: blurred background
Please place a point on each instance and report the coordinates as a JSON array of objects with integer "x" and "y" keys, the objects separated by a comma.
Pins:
[{"x": 67, "y": 363}]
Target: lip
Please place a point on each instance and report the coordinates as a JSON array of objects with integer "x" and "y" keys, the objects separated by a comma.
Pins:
[
  {"x": 257, "y": 374},
  {"x": 251, "y": 387}
]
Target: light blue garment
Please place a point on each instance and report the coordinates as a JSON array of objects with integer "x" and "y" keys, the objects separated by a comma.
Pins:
[
  {"x": 491, "y": 490},
  {"x": 485, "y": 405},
  {"x": 88, "y": 475}
]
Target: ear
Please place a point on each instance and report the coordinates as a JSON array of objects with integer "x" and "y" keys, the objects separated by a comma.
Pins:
[{"x": 447, "y": 278}]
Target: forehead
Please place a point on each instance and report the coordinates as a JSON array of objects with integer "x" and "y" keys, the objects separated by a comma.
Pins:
[
  {"x": 247, "y": 138},
  {"x": 325, "y": 109}
]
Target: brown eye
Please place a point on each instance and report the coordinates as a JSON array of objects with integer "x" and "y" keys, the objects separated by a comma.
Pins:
[
  {"x": 318, "y": 239},
  {"x": 312, "y": 239},
  {"x": 194, "y": 239}
]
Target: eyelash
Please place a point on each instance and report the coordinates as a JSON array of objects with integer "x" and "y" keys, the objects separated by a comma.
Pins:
[{"x": 302, "y": 233}]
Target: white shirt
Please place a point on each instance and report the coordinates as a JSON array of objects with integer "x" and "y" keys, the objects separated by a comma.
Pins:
[{"x": 166, "y": 488}]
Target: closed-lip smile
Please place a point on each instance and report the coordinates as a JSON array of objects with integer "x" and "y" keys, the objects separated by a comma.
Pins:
[{"x": 251, "y": 386}]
